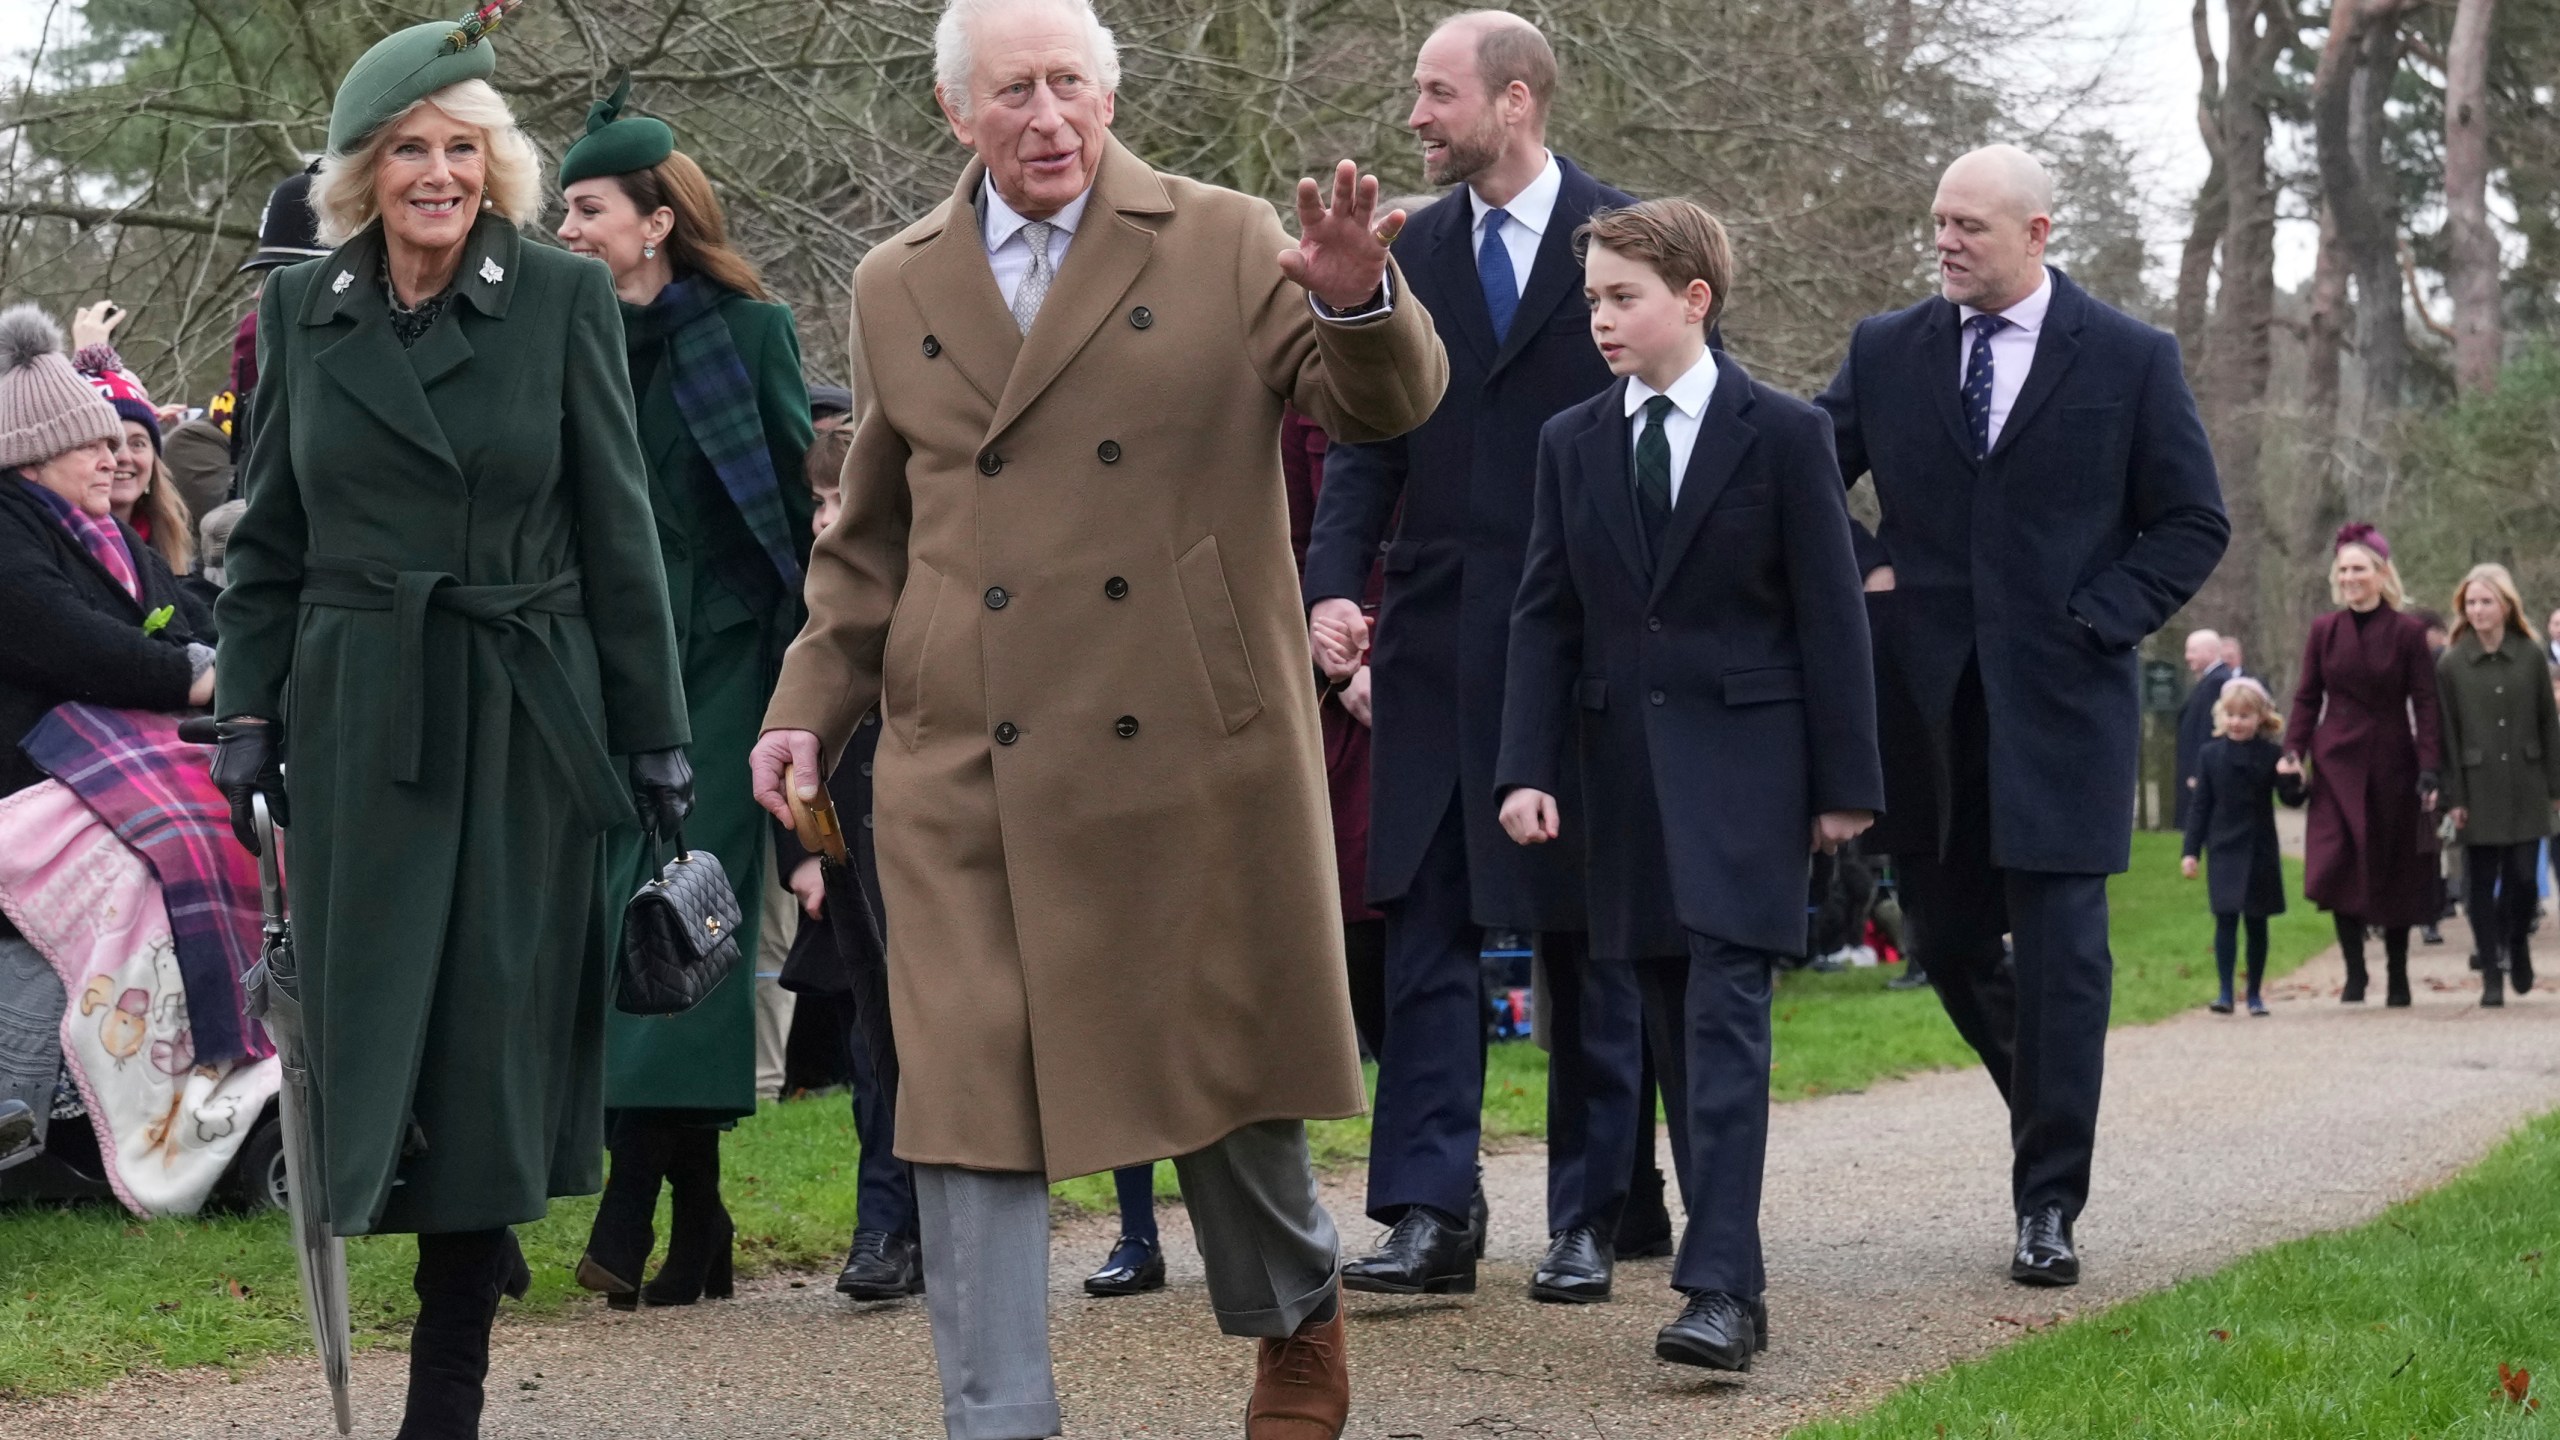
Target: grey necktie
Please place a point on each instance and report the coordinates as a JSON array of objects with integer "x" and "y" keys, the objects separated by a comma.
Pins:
[{"x": 1035, "y": 286}]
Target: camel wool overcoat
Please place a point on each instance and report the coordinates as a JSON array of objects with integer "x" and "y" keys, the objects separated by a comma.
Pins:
[{"x": 1063, "y": 574}]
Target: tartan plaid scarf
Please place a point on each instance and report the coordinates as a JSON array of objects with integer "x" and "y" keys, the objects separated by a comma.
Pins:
[
  {"x": 154, "y": 790},
  {"x": 100, "y": 537},
  {"x": 718, "y": 403}
]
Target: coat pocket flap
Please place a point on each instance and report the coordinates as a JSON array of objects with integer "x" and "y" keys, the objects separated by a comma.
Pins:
[
  {"x": 1592, "y": 692},
  {"x": 1759, "y": 687},
  {"x": 1218, "y": 635},
  {"x": 1403, "y": 556}
]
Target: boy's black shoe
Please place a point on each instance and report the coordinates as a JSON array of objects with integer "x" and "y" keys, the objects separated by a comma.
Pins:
[
  {"x": 1715, "y": 1331},
  {"x": 881, "y": 1266},
  {"x": 1427, "y": 1253},
  {"x": 1576, "y": 1271},
  {"x": 2045, "y": 1256},
  {"x": 1135, "y": 1266}
]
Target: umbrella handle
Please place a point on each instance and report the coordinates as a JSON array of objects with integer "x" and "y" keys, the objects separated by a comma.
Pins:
[{"x": 814, "y": 821}]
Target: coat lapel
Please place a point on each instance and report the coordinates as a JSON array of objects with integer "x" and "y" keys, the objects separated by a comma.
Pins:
[
  {"x": 954, "y": 289},
  {"x": 367, "y": 362},
  {"x": 1938, "y": 366},
  {"x": 1552, "y": 276},
  {"x": 2057, "y": 345},
  {"x": 1109, "y": 251},
  {"x": 1453, "y": 257},
  {"x": 1609, "y": 476},
  {"x": 1724, "y": 436}
]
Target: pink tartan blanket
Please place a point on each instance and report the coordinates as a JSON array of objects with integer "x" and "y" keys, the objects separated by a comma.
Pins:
[
  {"x": 154, "y": 790},
  {"x": 168, "y": 1122}
]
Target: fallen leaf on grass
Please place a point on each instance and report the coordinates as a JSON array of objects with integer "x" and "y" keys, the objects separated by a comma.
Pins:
[
  {"x": 2515, "y": 1387},
  {"x": 165, "y": 1306},
  {"x": 238, "y": 1290},
  {"x": 2223, "y": 1335}
]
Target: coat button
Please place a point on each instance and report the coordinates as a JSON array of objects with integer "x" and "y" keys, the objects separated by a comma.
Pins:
[
  {"x": 932, "y": 347},
  {"x": 1142, "y": 317},
  {"x": 1006, "y": 733},
  {"x": 866, "y": 822},
  {"x": 1655, "y": 697},
  {"x": 1115, "y": 588},
  {"x": 1653, "y": 622},
  {"x": 996, "y": 598},
  {"x": 1126, "y": 725},
  {"x": 866, "y": 769},
  {"x": 989, "y": 462},
  {"x": 1109, "y": 450}
]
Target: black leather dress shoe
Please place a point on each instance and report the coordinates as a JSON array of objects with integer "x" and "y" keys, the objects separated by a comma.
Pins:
[
  {"x": 1136, "y": 1266},
  {"x": 1425, "y": 1254},
  {"x": 1576, "y": 1270},
  {"x": 2045, "y": 1256},
  {"x": 882, "y": 1267},
  {"x": 1715, "y": 1331},
  {"x": 1480, "y": 1215}
]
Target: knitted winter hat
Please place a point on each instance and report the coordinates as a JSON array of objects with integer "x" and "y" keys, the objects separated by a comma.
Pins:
[
  {"x": 2357, "y": 532},
  {"x": 45, "y": 407},
  {"x": 105, "y": 372}
]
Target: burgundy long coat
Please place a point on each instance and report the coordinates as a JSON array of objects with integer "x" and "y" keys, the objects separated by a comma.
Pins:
[
  {"x": 2365, "y": 713},
  {"x": 1346, "y": 740}
]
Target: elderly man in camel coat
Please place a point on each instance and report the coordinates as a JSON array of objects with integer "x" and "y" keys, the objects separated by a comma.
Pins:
[{"x": 1063, "y": 574}]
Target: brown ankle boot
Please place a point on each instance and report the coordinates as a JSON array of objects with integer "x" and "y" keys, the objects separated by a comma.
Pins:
[{"x": 1302, "y": 1385}]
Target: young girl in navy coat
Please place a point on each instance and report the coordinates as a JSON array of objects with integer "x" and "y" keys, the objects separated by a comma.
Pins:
[{"x": 2232, "y": 818}]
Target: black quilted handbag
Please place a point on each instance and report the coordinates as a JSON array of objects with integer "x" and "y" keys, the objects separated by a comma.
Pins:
[{"x": 679, "y": 936}]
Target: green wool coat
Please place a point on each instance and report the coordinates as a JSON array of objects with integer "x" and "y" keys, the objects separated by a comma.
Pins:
[
  {"x": 734, "y": 617},
  {"x": 447, "y": 586},
  {"x": 2501, "y": 738}
]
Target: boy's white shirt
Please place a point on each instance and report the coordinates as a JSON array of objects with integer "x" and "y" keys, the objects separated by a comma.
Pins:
[{"x": 1689, "y": 395}]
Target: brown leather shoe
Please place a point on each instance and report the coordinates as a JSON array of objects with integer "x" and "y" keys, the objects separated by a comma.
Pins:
[{"x": 1301, "y": 1385}]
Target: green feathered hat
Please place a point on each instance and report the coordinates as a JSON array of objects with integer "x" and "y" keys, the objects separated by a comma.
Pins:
[
  {"x": 409, "y": 65},
  {"x": 615, "y": 143}
]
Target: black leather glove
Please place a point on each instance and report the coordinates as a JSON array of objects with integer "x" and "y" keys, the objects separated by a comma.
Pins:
[
  {"x": 248, "y": 759},
  {"x": 2429, "y": 786},
  {"x": 662, "y": 789}
]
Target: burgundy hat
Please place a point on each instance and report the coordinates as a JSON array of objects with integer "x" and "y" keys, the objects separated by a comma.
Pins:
[{"x": 2357, "y": 532}]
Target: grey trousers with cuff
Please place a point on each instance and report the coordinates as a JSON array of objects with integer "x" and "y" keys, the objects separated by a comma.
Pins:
[{"x": 1269, "y": 1248}]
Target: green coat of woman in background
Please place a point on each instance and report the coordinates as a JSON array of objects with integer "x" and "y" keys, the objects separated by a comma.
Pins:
[
  {"x": 724, "y": 425},
  {"x": 2501, "y": 771},
  {"x": 447, "y": 617}
]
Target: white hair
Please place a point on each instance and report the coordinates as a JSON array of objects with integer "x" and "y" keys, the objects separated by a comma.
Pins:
[
  {"x": 953, "y": 54},
  {"x": 342, "y": 193}
]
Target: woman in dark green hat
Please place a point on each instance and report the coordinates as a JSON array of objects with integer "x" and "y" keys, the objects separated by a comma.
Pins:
[
  {"x": 447, "y": 620},
  {"x": 724, "y": 424}
]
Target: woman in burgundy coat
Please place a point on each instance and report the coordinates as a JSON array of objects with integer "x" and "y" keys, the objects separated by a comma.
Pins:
[{"x": 2365, "y": 714}]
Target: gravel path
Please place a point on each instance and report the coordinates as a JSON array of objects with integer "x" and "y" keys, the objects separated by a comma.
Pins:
[{"x": 1887, "y": 1231}]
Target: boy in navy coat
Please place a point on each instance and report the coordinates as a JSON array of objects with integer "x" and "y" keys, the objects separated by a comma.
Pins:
[{"x": 1692, "y": 598}]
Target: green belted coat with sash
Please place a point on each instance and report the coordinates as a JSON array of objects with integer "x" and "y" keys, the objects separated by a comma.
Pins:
[
  {"x": 447, "y": 586},
  {"x": 735, "y": 614}
]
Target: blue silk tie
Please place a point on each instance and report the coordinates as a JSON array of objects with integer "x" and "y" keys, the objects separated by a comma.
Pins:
[
  {"x": 1501, "y": 283},
  {"x": 1977, "y": 381}
]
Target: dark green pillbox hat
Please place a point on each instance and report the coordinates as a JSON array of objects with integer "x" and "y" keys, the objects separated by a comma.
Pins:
[
  {"x": 616, "y": 144},
  {"x": 406, "y": 67}
]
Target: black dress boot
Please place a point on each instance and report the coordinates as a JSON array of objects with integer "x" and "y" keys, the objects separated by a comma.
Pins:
[
  {"x": 458, "y": 1281},
  {"x": 699, "y": 1231},
  {"x": 618, "y": 1245},
  {"x": 2395, "y": 960},
  {"x": 2351, "y": 949}
]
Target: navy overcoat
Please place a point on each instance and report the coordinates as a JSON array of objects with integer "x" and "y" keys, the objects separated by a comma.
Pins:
[
  {"x": 1725, "y": 693},
  {"x": 2094, "y": 518},
  {"x": 1464, "y": 480}
]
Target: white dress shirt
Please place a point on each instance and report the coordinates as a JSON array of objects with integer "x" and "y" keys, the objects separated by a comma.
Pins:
[
  {"x": 1530, "y": 211},
  {"x": 2013, "y": 349},
  {"x": 1689, "y": 395},
  {"x": 1009, "y": 254}
]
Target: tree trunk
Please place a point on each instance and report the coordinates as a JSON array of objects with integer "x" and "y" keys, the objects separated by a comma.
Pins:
[
  {"x": 2212, "y": 211},
  {"x": 2348, "y": 94},
  {"x": 2471, "y": 270},
  {"x": 2238, "y": 358}
]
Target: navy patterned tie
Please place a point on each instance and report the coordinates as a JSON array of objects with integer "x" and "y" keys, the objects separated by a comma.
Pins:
[
  {"x": 1501, "y": 282},
  {"x": 1977, "y": 380},
  {"x": 1653, "y": 475}
]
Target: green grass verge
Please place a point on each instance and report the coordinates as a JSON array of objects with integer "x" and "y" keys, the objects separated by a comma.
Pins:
[
  {"x": 2395, "y": 1328},
  {"x": 87, "y": 1294}
]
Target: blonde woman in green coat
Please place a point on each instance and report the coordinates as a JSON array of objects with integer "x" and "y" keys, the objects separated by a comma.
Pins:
[
  {"x": 724, "y": 424},
  {"x": 2501, "y": 769},
  {"x": 448, "y": 619}
]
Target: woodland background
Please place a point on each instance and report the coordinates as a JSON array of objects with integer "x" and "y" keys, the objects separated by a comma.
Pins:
[{"x": 2412, "y": 379}]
